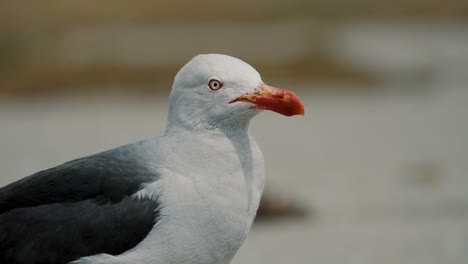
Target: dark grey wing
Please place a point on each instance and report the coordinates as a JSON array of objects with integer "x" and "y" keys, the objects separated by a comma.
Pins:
[
  {"x": 60, "y": 233},
  {"x": 77, "y": 209},
  {"x": 105, "y": 177}
]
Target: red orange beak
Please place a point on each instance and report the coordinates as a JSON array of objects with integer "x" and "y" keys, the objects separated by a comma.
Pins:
[{"x": 270, "y": 98}]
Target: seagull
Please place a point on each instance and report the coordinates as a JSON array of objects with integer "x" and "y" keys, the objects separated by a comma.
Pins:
[{"x": 189, "y": 196}]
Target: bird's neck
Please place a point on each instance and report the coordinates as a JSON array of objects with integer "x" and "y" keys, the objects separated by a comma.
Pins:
[
  {"x": 226, "y": 127},
  {"x": 226, "y": 155}
]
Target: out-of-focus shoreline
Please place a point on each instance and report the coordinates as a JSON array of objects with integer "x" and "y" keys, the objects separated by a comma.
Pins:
[{"x": 88, "y": 47}]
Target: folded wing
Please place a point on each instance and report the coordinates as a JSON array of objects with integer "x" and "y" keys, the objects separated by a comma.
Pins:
[{"x": 81, "y": 208}]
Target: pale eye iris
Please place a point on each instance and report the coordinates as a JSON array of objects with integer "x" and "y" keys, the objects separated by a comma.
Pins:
[{"x": 215, "y": 85}]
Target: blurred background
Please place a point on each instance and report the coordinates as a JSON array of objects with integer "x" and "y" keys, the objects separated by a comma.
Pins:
[{"x": 375, "y": 172}]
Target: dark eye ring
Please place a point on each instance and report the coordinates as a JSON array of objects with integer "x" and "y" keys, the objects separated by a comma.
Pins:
[{"x": 215, "y": 85}]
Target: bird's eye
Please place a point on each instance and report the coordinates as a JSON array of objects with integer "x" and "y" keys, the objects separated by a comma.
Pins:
[{"x": 215, "y": 85}]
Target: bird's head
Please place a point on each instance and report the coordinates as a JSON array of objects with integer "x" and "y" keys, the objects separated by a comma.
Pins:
[{"x": 218, "y": 91}]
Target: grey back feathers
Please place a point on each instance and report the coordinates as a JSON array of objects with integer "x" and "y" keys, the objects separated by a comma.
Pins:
[
  {"x": 105, "y": 177},
  {"x": 80, "y": 208}
]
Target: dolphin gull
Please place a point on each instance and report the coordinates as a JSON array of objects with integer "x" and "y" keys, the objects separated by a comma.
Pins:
[{"x": 189, "y": 196}]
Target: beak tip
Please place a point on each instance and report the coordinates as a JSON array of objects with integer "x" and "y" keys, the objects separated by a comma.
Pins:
[
  {"x": 300, "y": 112},
  {"x": 296, "y": 105}
]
